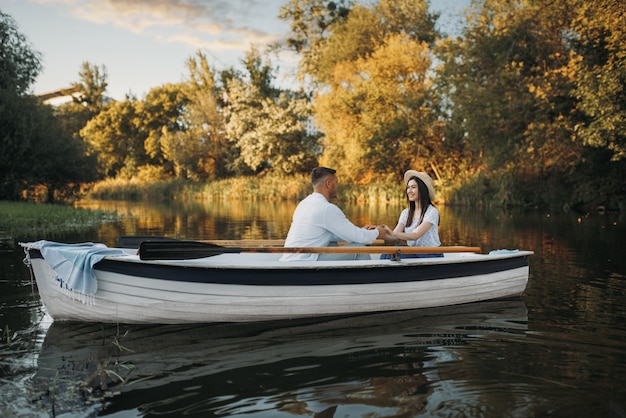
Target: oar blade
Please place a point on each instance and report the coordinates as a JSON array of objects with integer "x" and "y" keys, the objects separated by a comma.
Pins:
[
  {"x": 133, "y": 241},
  {"x": 180, "y": 250}
]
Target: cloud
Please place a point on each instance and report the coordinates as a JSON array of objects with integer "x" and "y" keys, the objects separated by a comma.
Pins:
[
  {"x": 217, "y": 25},
  {"x": 202, "y": 43}
]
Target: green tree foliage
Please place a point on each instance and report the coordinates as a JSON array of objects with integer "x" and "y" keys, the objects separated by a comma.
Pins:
[
  {"x": 37, "y": 152},
  {"x": 524, "y": 85},
  {"x": 485, "y": 70},
  {"x": 35, "y": 148},
  {"x": 201, "y": 130},
  {"x": 175, "y": 130},
  {"x": 377, "y": 117},
  {"x": 599, "y": 72},
  {"x": 509, "y": 99},
  {"x": 160, "y": 113},
  {"x": 113, "y": 137},
  {"x": 60, "y": 161},
  {"x": 90, "y": 88},
  {"x": 19, "y": 63},
  {"x": 267, "y": 125},
  {"x": 87, "y": 101},
  {"x": 196, "y": 146},
  {"x": 364, "y": 29},
  {"x": 373, "y": 99},
  {"x": 311, "y": 22},
  {"x": 597, "y": 68}
]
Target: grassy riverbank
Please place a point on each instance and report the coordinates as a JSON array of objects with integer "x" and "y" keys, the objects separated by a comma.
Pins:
[
  {"x": 476, "y": 189},
  {"x": 271, "y": 188},
  {"x": 24, "y": 220},
  {"x": 472, "y": 192}
]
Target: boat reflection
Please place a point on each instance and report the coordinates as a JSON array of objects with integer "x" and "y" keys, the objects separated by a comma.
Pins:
[{"x": 383, "y": 364}]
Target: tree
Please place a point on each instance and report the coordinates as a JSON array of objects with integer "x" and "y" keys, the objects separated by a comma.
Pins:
[
  {"x": 268, "y": 126},
  {"x": 365, "y": 29},
  {"x": 530, "y": 85},
  {"x": 270, "y": 133},
  {"x": 197, "y": 147},
  {"x": 161, "y": 111},
  {"x": 59, "y": 160},
  {"x": 35, "y": 149},
  {"x": 88, "y": 100},
  {"x": 91, "y": 88},
  {"x": 113, "y": 137},
  {"x": 373, "y": 100},
  {"x": 311, "y": 22},
  {"x": 19, "y": 63},
  {"x": 378, "y": 116},
  {"x": 486, "y": 71},
  {"x": 19, "y": 66},
  {"x": 598, "y": 67}
]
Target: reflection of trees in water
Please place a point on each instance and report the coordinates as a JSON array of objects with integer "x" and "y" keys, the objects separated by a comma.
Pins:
[
  {"x": 386, "y": 364},
  {"x": 559, "y": 237},
  {"x": 197, "y": 220}
]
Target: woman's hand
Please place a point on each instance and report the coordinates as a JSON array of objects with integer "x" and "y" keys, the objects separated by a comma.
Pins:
[{"x": 389, "y": 237}]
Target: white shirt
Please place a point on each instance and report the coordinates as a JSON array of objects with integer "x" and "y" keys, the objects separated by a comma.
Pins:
[
  {"x": 431, "y": 237},
  {"x": 316, "y": 222}
]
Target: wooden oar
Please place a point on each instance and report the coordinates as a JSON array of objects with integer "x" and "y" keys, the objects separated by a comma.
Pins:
[
  {"x": 133, "y": 241},
  {"x": 187, "y": 250}
]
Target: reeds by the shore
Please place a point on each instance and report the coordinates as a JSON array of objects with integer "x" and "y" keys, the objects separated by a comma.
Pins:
[{"x": 26, "y": 220}]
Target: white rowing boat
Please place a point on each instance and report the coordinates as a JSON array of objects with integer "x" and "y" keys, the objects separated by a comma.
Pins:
[{"x": 222, "y": 284}]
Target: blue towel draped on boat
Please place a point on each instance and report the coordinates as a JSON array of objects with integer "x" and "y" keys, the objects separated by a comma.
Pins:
[
  {"x": 503, "y": 251},
  {"x": 73, "y": 263}
]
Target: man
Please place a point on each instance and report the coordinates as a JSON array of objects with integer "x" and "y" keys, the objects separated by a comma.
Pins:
[{"x": 317, "y": 222}]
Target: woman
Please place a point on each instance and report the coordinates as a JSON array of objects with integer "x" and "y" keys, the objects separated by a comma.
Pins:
[{"x": 419, "y": 223}]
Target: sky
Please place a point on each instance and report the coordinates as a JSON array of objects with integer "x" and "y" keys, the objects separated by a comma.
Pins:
[{"x": 146, "y": 43}]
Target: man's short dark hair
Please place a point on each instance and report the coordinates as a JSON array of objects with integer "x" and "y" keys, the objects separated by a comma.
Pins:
[{"x": 319, "y": 173}]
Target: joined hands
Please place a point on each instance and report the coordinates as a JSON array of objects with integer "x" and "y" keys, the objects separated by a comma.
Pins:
[{"x": 384, "y": 232}]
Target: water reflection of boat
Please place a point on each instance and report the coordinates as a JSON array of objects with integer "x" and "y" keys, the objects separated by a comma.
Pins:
[
  {"x": 187, "y": 368},
  {"x": 240, "y": 287}
]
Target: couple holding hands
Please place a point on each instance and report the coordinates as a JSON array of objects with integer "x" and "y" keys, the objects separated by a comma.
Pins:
[{"x": 318, "y": 223}]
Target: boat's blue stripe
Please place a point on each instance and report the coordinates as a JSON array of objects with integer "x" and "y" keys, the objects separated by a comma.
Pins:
[
  {"x": 307, "y": 277},
  {"x": 311, "y": 277}
]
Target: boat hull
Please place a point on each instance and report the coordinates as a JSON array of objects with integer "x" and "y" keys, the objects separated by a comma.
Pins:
[{"x": 258, "y": 287}]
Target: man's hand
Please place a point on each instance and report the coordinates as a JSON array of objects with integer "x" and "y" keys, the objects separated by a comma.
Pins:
[
  {"x": 383, "y": 230},
  {"x": 389, "y": 237}
]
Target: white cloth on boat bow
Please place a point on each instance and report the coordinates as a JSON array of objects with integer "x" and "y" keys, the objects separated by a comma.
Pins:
[{"x": 73, "y": 263}]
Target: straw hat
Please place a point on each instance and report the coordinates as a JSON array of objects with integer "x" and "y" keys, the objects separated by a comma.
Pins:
[{"x": 424, "y": 177}]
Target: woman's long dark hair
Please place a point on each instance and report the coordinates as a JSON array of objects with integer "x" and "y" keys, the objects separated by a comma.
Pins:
[{"x": 424, "y": 198}]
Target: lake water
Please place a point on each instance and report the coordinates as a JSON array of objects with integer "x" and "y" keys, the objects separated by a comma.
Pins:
[{"x": 558, "y": 351}]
